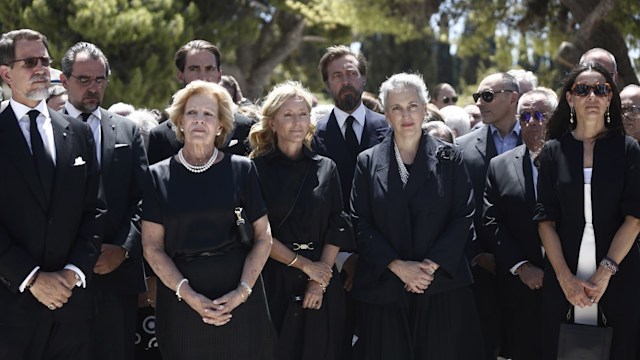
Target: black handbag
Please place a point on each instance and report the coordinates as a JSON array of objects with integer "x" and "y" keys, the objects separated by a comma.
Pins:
[
  {"x": 584, "y": 342},
  {"x": 245, "y": 229}
]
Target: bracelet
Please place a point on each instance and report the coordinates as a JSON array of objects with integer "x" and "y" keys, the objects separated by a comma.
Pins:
[
  {"x": 293, "y": 261},
  {"x": 33, "y": 280},
  {"x": 610, "y": 265},
  {"x": 185, "y": 280},
  {"x": 249, "y": 290}
]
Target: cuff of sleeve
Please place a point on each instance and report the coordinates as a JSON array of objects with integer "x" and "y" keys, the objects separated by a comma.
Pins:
[
  {"x": 341, "y": 258},
  {"x": 23, "y": 285},
  {"x": 516, "y": 266},
  {"x": 82, "y": 281}
]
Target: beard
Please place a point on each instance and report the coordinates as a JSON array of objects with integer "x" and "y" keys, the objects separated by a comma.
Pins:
[
  {"x": 89, "y": 103},
  {"x": 348, "y": 98},
  {"x": 37, "y": 94}
]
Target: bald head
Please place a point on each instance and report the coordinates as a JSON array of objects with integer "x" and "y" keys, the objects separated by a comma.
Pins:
[
  {"x": 604, "y": 58},
  {"x": 630, "y": 100}
]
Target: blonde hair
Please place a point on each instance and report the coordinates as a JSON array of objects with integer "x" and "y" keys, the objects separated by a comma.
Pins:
[
  {"x": 217, "y": 93},
  {"x": 262, "y": 138}
]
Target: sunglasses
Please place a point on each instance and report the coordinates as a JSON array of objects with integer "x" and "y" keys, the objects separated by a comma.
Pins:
[
  {"x": 488, "y": 95},
  {"x": 526, "y": 116},
  {"x": 446, "y": 99},
  {"x": 631, "y": 110},
  {"x": 32, "y": 62},
  {"x": 584, "y": 89}
]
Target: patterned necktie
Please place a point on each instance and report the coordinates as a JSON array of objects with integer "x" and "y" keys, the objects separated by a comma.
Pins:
[
  {"x": 43, "y": 161},
  {"x": 350, "y": 138}
]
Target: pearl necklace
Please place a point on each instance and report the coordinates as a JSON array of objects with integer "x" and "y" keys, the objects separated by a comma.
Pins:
[
  {"x": 402, "y": 169},
  {"x": 198, "y": 168}
]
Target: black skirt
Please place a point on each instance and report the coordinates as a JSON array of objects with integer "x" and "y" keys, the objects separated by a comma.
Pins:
[{"x": 182, "y": 334}]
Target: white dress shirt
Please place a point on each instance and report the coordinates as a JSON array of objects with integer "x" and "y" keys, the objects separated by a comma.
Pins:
[
  {"x": 94, "y": 123},
  {"x": 358, "y": 125}
]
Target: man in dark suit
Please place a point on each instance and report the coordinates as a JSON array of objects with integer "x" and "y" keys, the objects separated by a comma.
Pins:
[
  {"x": 197, "y": 60},
  {"x": 344, "y": 132},
  {"x": 509, "y": 203},
  {"x": 122, "y": 159},
  {"x": 50, "y": 222},
  {"x": 497, "y": 98}
]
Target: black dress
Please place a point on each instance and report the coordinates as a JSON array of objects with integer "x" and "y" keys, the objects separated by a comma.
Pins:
[
  {"x": 615, "y": 194},
  {"x": 196, "y": 211},
  {"x": 314, "y": 221},
  {"x": 430, "y": 218}
]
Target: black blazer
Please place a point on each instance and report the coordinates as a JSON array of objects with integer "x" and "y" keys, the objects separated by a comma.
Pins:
[
  {"x": 509, "y": 203},
  {"x": 163, "y": 142},
  {"x": 32, "y": 233},
  {"x": 329, "y": 141},
  {"x": 430, "y": 218}
]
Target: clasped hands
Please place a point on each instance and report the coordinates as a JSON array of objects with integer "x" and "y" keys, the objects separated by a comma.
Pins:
[
  {"x": 214, "y": 312},
  {"x": 319, "y": 274},
  {"x": 53, "y": 289},
  {"x": 583, "y": 293},
  {"x": 417, "y": 276}
]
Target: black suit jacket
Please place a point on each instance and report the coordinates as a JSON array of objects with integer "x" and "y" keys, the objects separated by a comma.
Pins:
[
  {"x": 329, "y": 141},
  {"x": 430, "y": 218},
  {"x": 32, "y": 233},
  {"x": 163, "y": 142}
]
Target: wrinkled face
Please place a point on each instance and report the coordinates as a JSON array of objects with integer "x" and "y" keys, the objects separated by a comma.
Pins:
[
  {"x": 447, "y": 96},
  {"x": 405, "y": 112},
  {"x": 533, "y": 114},
  {"x": 29, "y": 85},
  {"x": 630, "y": 98},
  {"x": 200, "y": 123},
  {"x": 200, "y": 65},
  {"x": 87, "y": 83},
  {"x": 591, "y": 107},
  {"x": 292, "y": 121},
  {"x": 345, "y": 84},
  {"x": 495, "y": 102}
]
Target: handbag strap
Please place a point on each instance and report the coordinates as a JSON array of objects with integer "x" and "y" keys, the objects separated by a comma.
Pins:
[
  {"x": 604, "y": 318},
  {"x": 295, "y": 201}
]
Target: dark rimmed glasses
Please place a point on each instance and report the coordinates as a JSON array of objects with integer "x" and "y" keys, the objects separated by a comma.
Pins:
[
  {"x": 446, "y": 99},
  {"x": 631, "y": 110},
  {"x": 32, "y": 62},
  {"x": 87, "y": 80},
  {"x": 584, "y": 89},
  {"x": 527, "y": 116},
  {"x": 488, "y": 95}
]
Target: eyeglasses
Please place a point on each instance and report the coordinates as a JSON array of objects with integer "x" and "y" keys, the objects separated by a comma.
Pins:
[
  {"x": 32, "y": 62},
  {"x": 488, "y": 95},
  {"x": 526, "y": 116},
  {"x": 631, "y": 110},
  {"x": 446, "y": 99},
  {"x": 584, "y": 89},
  {"x": 87, "y": 80}
]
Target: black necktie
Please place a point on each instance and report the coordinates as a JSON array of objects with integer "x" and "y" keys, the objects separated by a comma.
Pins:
[
  {"x": 43, "y": 160},
  {"x": 85, "y": 116},
  {"x": 350, "y": 138}
]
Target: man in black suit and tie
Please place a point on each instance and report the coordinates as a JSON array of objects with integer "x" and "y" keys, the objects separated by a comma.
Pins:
[
  {"x": 346, "y": 131},
  {"x": 50, "y": 222},
  {"x": 497, "y": 98},
  {"x": 123, "y": 163},
  {"x": 509, "y": 203},
  {"x": 197, "y": 60}
]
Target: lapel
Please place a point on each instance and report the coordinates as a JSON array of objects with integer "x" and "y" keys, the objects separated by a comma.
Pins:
[
  {"x": 423, "y": 165},
  {"x": 15, "y": 148},
  {"x": 369, "y": 133},
  {"x": 485, "y": 144},
  {"x": 63, "y": 138},
  {"x": 518, "y": 161},
  {"x": 382, "y": 155},
  {"x": 334, "y": 138},
  {"x": 109, "y": 133},
  {"x": 522, "y": 167},
  {"x": 231, "y": 133}
]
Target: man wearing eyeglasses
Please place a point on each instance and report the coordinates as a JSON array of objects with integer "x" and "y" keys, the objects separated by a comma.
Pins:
[
  {"x": 119, "y": 274},
  {"x": 443, "y": 95},
  {"x": 497, "y": 98},
  {"x": 630, "y": 99},
  {"x": 50, "y": 214},
  {"x": 509, "y": 203}
]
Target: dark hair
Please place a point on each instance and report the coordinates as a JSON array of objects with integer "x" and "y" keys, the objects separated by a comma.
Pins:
[
  {"x": 559, "y": 123},
  {"x": 181, "y": 54},
  {"x": 337, "y": 52},
  {"x": 435, "y": 91},
  {"x": 8, "y": 43},
  {"x": 228, "y": 80},
  {"x": 69, "y": 58}
]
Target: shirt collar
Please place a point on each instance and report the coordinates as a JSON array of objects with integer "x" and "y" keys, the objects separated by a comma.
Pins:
[
  {"x": 359, "y": 114},
  {"x": 277, "y": 154},
  {"x": 20, "y": 110},
  {"x": 516, "y": 129},
  {"x": 75, "y": 113}
]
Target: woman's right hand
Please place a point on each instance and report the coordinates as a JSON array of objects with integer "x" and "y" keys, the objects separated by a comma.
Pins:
[
  {"x": 208, "y": 311},
  {"x": 574, "y": 290},
  {"x": 318, "y": 272},
  {"x": 416, "y": 276}
]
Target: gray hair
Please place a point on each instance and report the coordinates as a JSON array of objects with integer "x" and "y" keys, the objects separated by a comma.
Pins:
[
  {"x": 66, "y": 64},
  {"x": 456, "y": 119},
  {"x": 122, "y": 109},
  {"x": 551, "y": 99},
  {"x": 522, "y": 76},
  {"x": 401, "y": 82},
  {"x": 439, "y": 130}
]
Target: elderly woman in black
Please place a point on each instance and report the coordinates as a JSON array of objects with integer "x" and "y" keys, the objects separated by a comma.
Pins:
[
  {"x": 588, "y": 212},
  {"x": 302, "y": 192},
  {"x": 211, "y": 304},
  {"x": 412, "y": 209}
]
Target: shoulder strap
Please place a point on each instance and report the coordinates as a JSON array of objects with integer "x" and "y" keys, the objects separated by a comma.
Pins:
[{"x": 295, "y": 201}]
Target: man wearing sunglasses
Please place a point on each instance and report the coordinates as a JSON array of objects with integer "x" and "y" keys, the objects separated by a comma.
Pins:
[
  {"x": 50, "y": 215},
  {"x": 497, "y": 98},
  {"x": 630, "y": 99},
  {"x": 509, "y": 203},
  {"x": 119, "y": 275},
  {"x": 443, "y": 95}
]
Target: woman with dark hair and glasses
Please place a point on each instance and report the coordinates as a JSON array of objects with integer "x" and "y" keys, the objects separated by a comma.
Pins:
[{"x": 588, "y": 214}]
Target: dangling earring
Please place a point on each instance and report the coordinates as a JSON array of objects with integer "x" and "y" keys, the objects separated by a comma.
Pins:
[
  {"x": 608, "y": 116},
  {"x": 571, "y": 118}
]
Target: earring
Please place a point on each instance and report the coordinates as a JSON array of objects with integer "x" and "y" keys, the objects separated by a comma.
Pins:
[
  {"x": 571, "y": 118},
  {"x": 608, "y": 116},
  {"x": 181, "y": 129}
]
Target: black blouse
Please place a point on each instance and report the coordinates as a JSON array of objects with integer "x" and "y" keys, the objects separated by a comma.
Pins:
[{"x": 197, "y": 210}]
